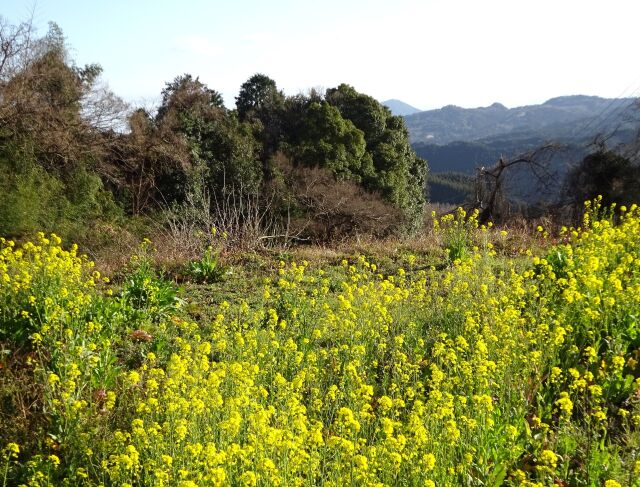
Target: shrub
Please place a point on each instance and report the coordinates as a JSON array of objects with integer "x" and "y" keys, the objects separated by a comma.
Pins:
[{"x": 323, "y": 209}]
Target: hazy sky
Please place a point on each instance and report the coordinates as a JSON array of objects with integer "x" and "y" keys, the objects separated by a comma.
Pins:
[{"x": 428, "y": 53}]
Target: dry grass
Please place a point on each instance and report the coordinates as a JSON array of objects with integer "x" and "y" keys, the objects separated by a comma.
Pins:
[{"x": 172, "y": 250}]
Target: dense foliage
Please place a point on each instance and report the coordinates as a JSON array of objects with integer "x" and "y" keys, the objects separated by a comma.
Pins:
[
  {"x": 73, "y": 156},
  {"x": 451, "y": 187},
  {"x": 608, "y": 174},
  {"x": 48, "y": 150}
]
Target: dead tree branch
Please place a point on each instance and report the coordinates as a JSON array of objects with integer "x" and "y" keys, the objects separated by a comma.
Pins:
[{"x": 490, "y": 181}]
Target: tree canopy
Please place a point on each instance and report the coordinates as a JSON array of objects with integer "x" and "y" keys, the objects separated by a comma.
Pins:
[
  {"x": 257, "y": 96},
  {"x": 397, "y": 172},
  {"x": 607, "y": 174}
]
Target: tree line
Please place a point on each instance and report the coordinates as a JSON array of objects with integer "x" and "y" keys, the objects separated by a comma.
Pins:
[{"x": 319, "y": 164}]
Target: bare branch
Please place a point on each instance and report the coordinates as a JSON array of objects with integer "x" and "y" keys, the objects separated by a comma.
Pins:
[{"x": 490, "y": 181}]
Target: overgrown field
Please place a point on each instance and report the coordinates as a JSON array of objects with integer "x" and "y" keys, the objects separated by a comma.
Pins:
[{"x": 487, "y": 367}]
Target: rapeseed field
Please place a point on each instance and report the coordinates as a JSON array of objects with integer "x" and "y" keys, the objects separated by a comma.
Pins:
[{"x": 482, "y": 370}]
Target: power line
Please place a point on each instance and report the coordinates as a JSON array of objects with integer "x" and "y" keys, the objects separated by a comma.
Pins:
[
  {"x": 583, "y": 131},
  {"x": 618, "y": 111}
]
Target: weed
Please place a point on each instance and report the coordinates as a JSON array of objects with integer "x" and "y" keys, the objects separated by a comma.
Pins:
[{"x": 208, "y": 268}]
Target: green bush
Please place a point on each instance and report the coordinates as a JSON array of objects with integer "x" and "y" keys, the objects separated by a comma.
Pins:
[
  {"x": 38, "y": 200},
  {"x": 31, "y": 200}
]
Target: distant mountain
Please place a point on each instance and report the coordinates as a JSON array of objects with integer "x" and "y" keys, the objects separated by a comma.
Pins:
[
  {"x": 455, "y": 141},
  {"x": 400, "y": 108},
  {"x": 569, "y": 114}
]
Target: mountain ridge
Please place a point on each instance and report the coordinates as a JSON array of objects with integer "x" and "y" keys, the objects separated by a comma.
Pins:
[
  {"x": 452, "y": 123},
  {"x": 455, "y": 141}
]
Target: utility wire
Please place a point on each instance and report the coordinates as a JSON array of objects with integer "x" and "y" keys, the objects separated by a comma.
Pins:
[
  {"x": 618, "y": 111},
  {"x": 582, "y": 132}
]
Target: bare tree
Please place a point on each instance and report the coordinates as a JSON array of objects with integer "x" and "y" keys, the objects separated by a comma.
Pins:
[
  {"x": 490, "y": 181},
  {"x": 51, "y": 109},
  {"x": 16, "y": 45},
  {"x": 103, "y": 110},
  {"x": 138, "y": 160}
]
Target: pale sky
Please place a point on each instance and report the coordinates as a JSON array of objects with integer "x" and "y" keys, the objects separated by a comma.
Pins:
[{"x": 427, "y": 53}]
